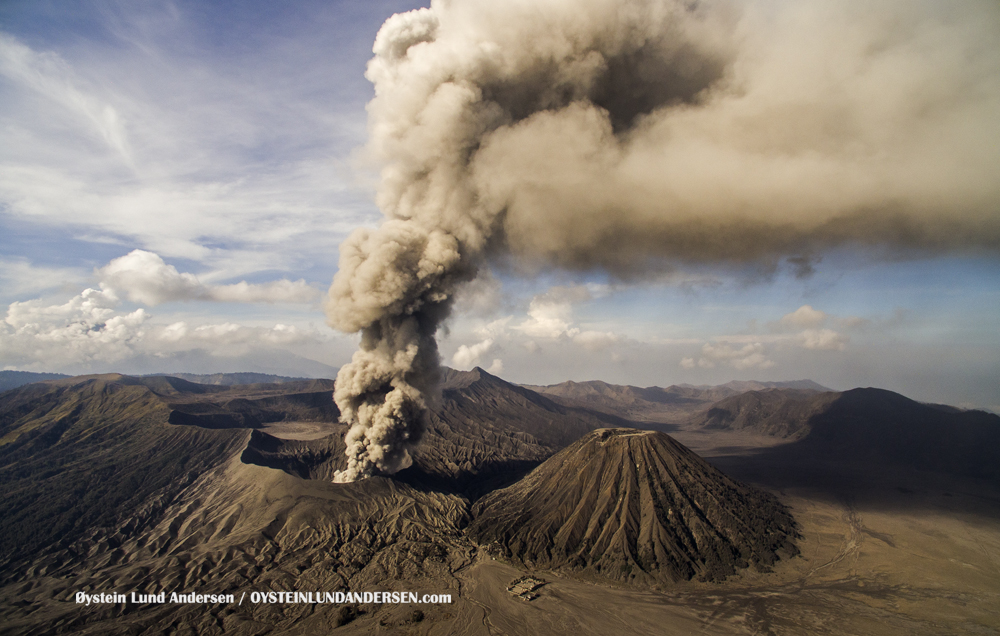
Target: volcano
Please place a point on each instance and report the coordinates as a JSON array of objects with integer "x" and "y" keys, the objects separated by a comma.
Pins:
[
  {"x": 157, "y": 484},
  {"x": 634, "y": 506}
]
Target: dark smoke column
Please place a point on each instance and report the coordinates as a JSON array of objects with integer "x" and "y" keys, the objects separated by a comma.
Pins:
[
  {"x": 633, "y": 136},
  {"x": 394, "y": 286},
  {"x": 442, "y": 86},
  {"x": 395, "y": 283}
]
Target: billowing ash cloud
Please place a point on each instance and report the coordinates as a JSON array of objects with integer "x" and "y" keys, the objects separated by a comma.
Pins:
[{"x": 637, "y": 136}]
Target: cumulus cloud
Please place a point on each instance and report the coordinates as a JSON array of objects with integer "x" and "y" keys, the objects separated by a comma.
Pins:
[
  {"x": 802, "y": 328},
  {"x": 825, "y": 339},
  {"x": 809, "y": 333},
  {"x": 90, "y": 332},
  {"x": 548, "y": 319},
  {"x": 144, "y": 277},
  {"x": 749, "y": 356},
  {"x": 230, "y": 338},
  {"x": 804, "y": 317},
  {"x": 83, "y": 330},
  {"x": 469, "y": 356}
]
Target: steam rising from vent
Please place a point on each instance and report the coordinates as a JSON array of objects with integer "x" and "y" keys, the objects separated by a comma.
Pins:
[{"x": 638, "y": 136}]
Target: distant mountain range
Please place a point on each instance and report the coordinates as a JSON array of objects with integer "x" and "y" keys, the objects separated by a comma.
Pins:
[
  {"x": 13, "y": 379},
  {"x": 675, "y": 403},
  {"x": 162, "y": 483},
  {"x": 232, "y": 379}
]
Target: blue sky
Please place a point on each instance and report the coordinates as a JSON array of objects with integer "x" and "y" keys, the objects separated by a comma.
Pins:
[{"x": 224, "y": 142}]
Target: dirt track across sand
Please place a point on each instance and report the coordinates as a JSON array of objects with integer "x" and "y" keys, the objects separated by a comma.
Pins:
[{"x": 861, "y": 572}]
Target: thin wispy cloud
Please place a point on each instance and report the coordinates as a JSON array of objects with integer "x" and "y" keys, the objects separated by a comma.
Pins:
[
  {"x": 50, "y": 76},
  {"x": 154, "y": 138}
]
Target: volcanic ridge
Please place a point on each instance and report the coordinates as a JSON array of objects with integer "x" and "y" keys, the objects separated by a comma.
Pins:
[{"x": 115, "y": 482}]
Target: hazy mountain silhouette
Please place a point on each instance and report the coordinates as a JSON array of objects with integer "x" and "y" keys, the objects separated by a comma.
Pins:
[
  {"x": 13, "y": 379},
  {"x": 231, "y": 379},
  {"x": 784, "y": 413},
  {"x": 674, "y": 404}
]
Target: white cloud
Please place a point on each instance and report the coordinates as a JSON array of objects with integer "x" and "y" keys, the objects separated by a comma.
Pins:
[
  {"x": 798, "y": 329},
  {"x": 129, "y": 141},
  {"x": 596, "y": 340},
  {"x": 144, "y": 277},
  {"x": 496, "y": 328},
  {"x": 84, "y": 330},
  {"x": 91, "y": 307},
  {"x": 823, "y": 339},
  {"x": 750, "y": 356},
  {"x": 90, "y": 333},
  {"x": 49, "y": 75},
  {"x": 279, "y": 291},
  {"x": 548, "y": 319},
  {"x": 804, "y": 317},
  {"x": 492, "y": 333},
  {"x": 804, "y": 328},
  {"x": 469, "y": 356}
]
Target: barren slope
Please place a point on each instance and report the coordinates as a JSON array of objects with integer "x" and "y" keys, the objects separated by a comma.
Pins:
[
  {"x": 633, "y": 506},
  {"x": 102, "y": 493},
  {"x": 784, "y": 413},
  {"x": 487, "y": 432}
]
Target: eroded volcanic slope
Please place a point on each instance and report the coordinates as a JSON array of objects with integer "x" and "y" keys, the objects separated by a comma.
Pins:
[
  {"x": 487, "y": 431},
  {"x": 101, "y": 492},
  {"x": 158, "y": 484},
  {"x": 634, "y": 506}
]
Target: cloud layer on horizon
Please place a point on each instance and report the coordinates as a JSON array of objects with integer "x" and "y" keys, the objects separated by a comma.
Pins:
[{"x": 95, "y": 331}]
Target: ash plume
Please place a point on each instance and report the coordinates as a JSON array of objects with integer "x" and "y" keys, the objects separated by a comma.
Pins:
[{"x": 637, "y": 136}]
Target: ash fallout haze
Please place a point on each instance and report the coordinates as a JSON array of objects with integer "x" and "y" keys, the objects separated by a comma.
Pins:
[
  {"x": 639, "y": 192},
  {"x": 635, "y": 139}
]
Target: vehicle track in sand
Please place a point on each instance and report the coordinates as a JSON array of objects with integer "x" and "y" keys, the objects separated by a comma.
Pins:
[{"x": 851, "y": 545}]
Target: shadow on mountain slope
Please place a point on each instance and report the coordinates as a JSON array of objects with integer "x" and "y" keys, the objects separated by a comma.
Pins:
[{"x": 878, "y": 446}]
